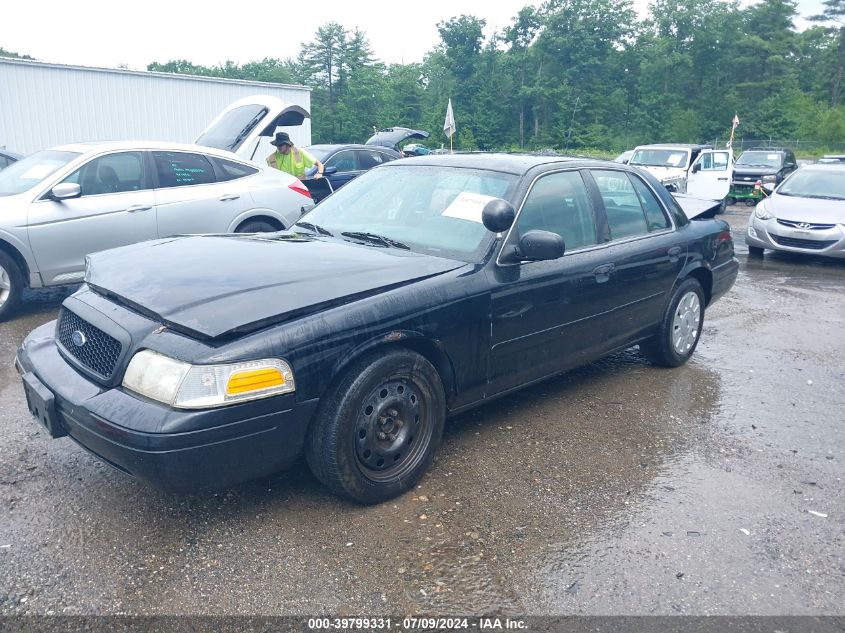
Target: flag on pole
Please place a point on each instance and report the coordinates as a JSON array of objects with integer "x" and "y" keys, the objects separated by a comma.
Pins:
[
  {"x": 733, "y": 129},
  {"x": 449, "y": 125}
]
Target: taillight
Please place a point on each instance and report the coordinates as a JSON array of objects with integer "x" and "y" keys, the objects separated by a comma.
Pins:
[{"x": 298, "y": 187}]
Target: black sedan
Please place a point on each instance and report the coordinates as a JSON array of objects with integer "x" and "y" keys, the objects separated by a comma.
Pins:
[{"x": 424, "y": 288}]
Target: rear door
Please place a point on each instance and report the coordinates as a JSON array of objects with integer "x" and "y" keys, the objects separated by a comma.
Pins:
[
  {"x": 710, "y": 174},
  {"x": 644, "y": 254},
  {"x": 116, "y": 207},
  {"x": 189, "y": 196}
]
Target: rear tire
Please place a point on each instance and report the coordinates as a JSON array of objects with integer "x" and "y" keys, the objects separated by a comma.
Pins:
[
  {"x": 680, "y": 330},
  {"x": 11, "y": 285},
  {"x": 375, "y": 434},
  {"x": 257, "y": 226},
  {"x": 755, "y": 251},
  {"x": 750, "y": 202}
]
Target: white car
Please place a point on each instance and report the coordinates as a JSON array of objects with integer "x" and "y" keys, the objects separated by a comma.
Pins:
[
  {"x": 697, "y": 170},
  {"x": 59, "y": 205}
]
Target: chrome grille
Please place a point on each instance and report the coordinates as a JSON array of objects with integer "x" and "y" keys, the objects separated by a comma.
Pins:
[
  {"x": 807, "y": 226},
  {"x": 98, "y": 352},
  {"x": 815, "y": 245}
]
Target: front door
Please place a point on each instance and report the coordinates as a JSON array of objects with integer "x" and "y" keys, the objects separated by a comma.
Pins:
[
  {"x": 116, "y": 207},
  {"x": 544, "y": 313},
  {"x": 710, "y": 174}
]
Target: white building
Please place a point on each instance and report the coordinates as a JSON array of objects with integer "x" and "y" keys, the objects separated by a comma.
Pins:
[{"x": 42, "y": 105}]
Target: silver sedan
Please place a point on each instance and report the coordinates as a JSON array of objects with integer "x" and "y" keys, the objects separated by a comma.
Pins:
[
  {"x": 59, "y": 205},
  {"x": 805, "y": 214}
]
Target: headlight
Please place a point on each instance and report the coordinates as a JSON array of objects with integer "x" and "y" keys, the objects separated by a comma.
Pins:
[
  {"x": 187, "y": 386},
  {"x": 771, "y": 178},
  {"x": 761, "y": 213}
]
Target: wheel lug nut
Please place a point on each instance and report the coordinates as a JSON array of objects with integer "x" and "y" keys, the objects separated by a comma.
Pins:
[
  {"x": 381, "y": 435},
  {"x": 394, "y": 412}
]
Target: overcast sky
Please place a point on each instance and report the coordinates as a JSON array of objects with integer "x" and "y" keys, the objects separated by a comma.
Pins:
[{"x": 107, "y": 33}]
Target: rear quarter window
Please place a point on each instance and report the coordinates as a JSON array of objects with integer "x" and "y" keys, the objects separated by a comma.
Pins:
[{"x": 230, "y": 170}]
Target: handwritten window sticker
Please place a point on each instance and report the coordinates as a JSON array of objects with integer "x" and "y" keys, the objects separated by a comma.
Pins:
[
  {"x": 771, "y": 157},
  {"x": 467, "y": 206},
  {"x": 38, "y": 172},
  {"x": 676, "y": 159}
]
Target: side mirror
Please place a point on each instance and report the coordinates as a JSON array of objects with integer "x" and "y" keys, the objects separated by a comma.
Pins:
[
  {"x": 541, "y": 246},
  {"x": 65, "y": 191},
  {"x": 328, "y": 171},
  {"x": 696, "y": 168},
  {"x": 769, "y": 186},
  {"x": 498, "y": 215}
]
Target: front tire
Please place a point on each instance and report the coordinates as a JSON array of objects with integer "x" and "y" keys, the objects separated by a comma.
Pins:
[
  {"x": 680, "y": 330},
  {"x": 375, "y": 434},
  {"x": 11, "y": 285},
  {"x": 755, "y": 251}
]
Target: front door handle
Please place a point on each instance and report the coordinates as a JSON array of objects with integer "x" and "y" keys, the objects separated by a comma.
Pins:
[
  {"x": 602, "y": 273},
  {"x": 725, "y": 178},
  {"x": 229, "y": 196},
  {"x": 674, "y": 253},
  {"x": 138, "y": 207}
]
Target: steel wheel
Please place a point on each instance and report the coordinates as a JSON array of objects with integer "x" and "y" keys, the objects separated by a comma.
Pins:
[
  {"x": 392, "y": 431},
  {"x": 685, "y": 325},
  {"x": 376, "y": 431}
]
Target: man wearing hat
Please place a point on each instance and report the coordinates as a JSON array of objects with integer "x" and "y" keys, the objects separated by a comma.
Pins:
[{"x": 291, "y": 159}]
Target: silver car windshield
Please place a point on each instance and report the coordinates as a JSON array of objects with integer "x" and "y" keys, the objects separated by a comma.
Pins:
[
  {"x": 815, "y": 183},
  {"x": 430, "y": 209},
  {"x": 28, "y": 172}
]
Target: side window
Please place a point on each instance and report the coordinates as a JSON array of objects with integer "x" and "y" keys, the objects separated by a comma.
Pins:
[
  {"x": 714, "y": 161},
  {"x": 112, "y": 173},
  {"x": 4, "y": 162},
  {"x": 367, "y": 159},
  {"x": 625, "y": 214},
  {"x": 178, "y": 169},
  {"x": 230, "y": 170},
  {"x": 344, "y": 161},
  {"x": 654, "y": 214},
  {"x": 559, "y": 203}
]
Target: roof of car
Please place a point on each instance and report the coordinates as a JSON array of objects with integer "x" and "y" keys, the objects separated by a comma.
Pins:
[
  {"x": 674, "y": 146},
  {"x": 837, "y": 167},
  {"x": 512, "y": 163},
  {"x": 335, "y": 147},
  {"x": 100, "y": 146}
]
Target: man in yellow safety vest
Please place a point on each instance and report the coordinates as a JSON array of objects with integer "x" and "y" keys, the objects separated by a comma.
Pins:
[{"x": 292, "y": 159}]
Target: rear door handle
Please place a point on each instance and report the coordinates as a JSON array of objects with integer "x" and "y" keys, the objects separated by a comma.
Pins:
[
  {"x": 603, "y": 272},
  {"x": 725, "y": 178},
  {"x": 674, "y": 253},
  {"x": 138, "y": 207},
  {"x": 229, "y": 196}
]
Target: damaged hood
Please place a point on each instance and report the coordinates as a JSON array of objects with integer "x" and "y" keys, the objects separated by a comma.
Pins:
[
  {"x": 218, "y": 285},
  {"x": 695, "y": 207},
  {"x": 392, "y": 136}
]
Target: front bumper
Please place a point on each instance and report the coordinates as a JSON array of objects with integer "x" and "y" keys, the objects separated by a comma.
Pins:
[
  {"x": 226, "y": 445},
  {"x": 828, "y": 242}
]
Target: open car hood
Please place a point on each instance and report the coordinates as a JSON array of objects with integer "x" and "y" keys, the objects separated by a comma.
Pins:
[
  {"x": 214, "y": 286},
  {"x": 241, "y": 125},
  {"x": 392, "y": 136},
  {"x": 696, "y": 207}
]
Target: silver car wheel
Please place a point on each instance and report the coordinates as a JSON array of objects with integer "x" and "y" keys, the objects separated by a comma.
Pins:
[
  {"x": 685, "y": 325},
  {"x": 5, "y": 286}
]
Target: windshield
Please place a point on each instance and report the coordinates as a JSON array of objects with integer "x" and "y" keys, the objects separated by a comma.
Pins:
[
  {"x": 28, "y": 172},
  {"x": 318, "y": 152},
  {"x": 234, "y": 127},
  {"x": 815, "y": 183},
  {"x": 759, "y": 159},
  {"x": 432, "y": 209},
  {"x": 660, "y": 158}
]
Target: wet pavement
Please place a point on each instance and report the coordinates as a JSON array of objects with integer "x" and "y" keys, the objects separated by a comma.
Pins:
[{"x": 620, "y": 488}]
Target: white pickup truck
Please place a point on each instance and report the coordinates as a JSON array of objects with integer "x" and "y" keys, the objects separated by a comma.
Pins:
[{"x": 697, "y": 170}]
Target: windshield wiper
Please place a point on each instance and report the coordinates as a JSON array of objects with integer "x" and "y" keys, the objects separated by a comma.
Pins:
[
  {"x": 315, "y": 228},
  {"x": 376, "y": 239}
]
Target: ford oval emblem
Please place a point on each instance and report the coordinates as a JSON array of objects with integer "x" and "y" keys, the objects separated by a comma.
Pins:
[{"x": 79, "y": 339}]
